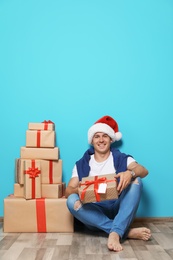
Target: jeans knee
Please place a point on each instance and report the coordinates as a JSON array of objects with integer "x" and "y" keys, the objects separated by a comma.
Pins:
[
  {"x": 73, "y": 202},
  {"x": 138, "y": 181},
  {"x": 77, "y": 205}
]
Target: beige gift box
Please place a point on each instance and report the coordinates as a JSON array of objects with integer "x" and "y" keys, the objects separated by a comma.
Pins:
[
  {"x": 53, "y": 191},
  {"x": 40, "y": 138},
  {"x": 37, "y": 215},
  {"x": 45, "y": 125},
  {"x": 19, "y": 168},
  {"x": 19, "y": 190},
  {"x": 32, "y": 179},
  {"x": 19, "y": 171},
  {"x": 51, "y": 171},
  {"x": 88, "y": 190},
  {"x": 39, "y": 153}
]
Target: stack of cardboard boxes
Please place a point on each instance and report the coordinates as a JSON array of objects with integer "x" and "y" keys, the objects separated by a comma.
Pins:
[{"x": 38, "y": 203}]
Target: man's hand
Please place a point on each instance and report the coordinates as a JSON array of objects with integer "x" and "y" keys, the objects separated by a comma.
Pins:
[{"x": 124, "y": 180}]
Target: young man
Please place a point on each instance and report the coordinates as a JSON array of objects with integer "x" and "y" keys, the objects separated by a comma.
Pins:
[{"x": 112, "y": 216}]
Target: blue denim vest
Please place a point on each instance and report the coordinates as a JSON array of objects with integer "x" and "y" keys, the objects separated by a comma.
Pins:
[{"x": 120, "y": 162}]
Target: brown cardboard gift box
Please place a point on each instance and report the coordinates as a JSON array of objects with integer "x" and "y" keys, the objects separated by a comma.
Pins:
[
  {"x": 51, "y": 170},
  {"x": 18, "y": 190},
  {"x": 39, "y": 153},
  {"x": 32, "y": 179},
  {"x": 37, "y": 215},
  {"x": 19, "y": 170},
  {"x": 45, "y": 125},
  {"x": 40, "y": 138},
  {"x": 52, "y": 191},
  {"x": 88, "y": 190}
]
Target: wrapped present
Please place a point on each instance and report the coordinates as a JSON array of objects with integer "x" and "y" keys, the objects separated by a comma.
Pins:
[
  {"x": 19, "y": 171},
  {"x": 45, "y": 125},
  {"x": 51, "y": 171},
  {"x": 32, "y": 179},
  {"x": 98, "y": 188},
  {"x": 63, "y": 189},
  {"x": 19, "y": 190},
  {"x": 40, "y": 138},
  {"x": 19, "y": 168},
  {"x": 39, "y": 153},
  {"x": 37, "y": 215},
  {"x": 53, "y": 191}
]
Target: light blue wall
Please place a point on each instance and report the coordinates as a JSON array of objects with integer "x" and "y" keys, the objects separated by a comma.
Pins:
[{"x": 75, "y": 61}]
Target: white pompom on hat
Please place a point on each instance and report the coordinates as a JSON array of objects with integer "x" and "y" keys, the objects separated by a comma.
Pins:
[{"x": 106, "y": 125}]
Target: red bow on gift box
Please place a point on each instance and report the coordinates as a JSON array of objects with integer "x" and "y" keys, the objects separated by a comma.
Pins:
[
  {"x": 46, "y": 124},
  {"x": 33, "y": 172},
  {"x": 96, "y": 183}
]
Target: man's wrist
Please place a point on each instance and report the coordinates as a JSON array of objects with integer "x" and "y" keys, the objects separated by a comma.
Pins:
[{"x": 133, "y": 174}]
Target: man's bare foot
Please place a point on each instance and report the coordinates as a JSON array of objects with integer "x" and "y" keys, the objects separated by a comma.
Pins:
[
  {"x": 139, "y": 233},
  {"x": 114, "y": 242}
]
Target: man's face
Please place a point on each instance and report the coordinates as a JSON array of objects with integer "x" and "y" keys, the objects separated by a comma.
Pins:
[{"x": 101, "y": 142}]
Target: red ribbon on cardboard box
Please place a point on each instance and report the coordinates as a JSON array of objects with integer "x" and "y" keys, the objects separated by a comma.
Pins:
[
  {"x": 41, "y": 215},
  {"x": 33, "y": 173},
  {"x": 46, "y": 124},
  {"x": 96, "y": 183},
  {"x": 38, "y": 138},
  {"x": 50, "y": 172}
]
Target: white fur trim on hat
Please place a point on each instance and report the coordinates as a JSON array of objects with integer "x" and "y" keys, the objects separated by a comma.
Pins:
[{"x": 104, "y": 128}]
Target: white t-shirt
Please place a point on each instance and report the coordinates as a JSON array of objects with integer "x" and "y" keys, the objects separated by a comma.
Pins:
[{"x": 100, "y": 168}]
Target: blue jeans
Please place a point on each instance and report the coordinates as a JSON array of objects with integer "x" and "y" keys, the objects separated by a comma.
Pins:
[{"x": 110, "y": 215}]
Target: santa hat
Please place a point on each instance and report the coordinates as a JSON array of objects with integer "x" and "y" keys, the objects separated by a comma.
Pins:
[{"x": 106, "y": 125}]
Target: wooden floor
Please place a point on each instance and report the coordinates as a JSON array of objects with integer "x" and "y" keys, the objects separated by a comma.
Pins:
[{"x": 83, "y": 245}]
